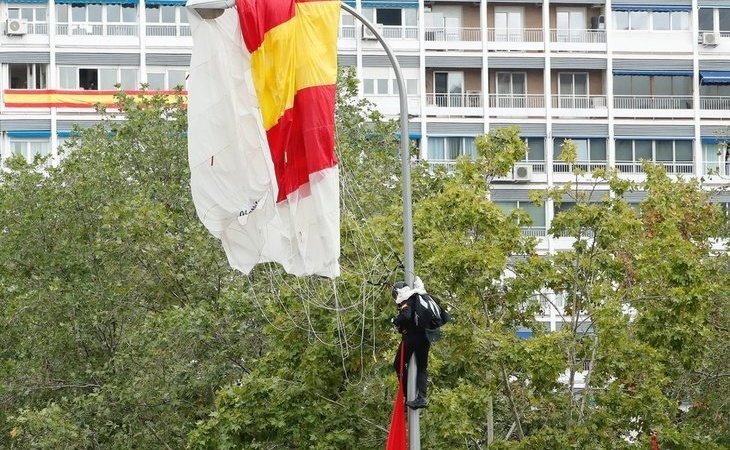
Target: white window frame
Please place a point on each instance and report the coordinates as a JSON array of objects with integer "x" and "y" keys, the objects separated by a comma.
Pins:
[
  {"x": 27, "y": 151},
  {"x": 508, "y": 34},
  {"x": 98, "y": 88},
  {"x": 166, "y": 72}
]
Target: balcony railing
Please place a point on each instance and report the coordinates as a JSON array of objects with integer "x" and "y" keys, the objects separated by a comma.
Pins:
[
  {"x": 652, "y": 101},
  {"x": 400, "y": 32},
  {"x": 448, "y": 34},
  {"x": 448, "y": 164},
  {"x": 96, "y": 29},
  {"x": 670, "y": 167},
  {"x": 534, "y": 231},
  {"x": 579, "y": 101},
  {"x": 578, "y": 36},
  {"x": 37, "y": 28},
  {"x": 347, "y": 32},
  {"x": 716, "y": 168},
  {"x": 537, "y": 166},
  {"x": 717, "y": 103},
  {"x": 585, "y": 166},
  {"x": 454, "y": 100},
  {"x": 521, "y": 35},
  {"x": 172, "y": 30},
  {"x": 516, "y": 101}
]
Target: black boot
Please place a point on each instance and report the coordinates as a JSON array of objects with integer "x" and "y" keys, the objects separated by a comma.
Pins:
[{"x": 418, "y": 403}]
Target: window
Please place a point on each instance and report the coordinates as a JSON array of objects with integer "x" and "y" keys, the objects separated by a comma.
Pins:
[
  {"x": 388, "y": 16},
  {"x": 707, "y": 19},
  {"x": 27, "y": 76},
  {"x": 571, "y": 25},
  {"x": 30, "y": 14},
  {"x": 164, "y": 79},
  {"x": 589, "y": 150},
  {"x": 448, "y": 88},
  {"x": 536, "y": 213},
  {"x": 411, "y": 86},
  {"x": 573, "y": 89},
  {"x": 92, "y": 79},
  {"x": 368, "y": 86},
  {"x": 652, "y": 85},
  {"x": 450, "y": 148},
  {"x": 653, "y": 20},
  {"x": 30, "y": 148},
  {"x": 676, "y": 155},
  {"x": 508, "y": 24},
  {"x": 121, "y": 14},
  {"x": 724, "y": 19},
  {"x": 511, "y": 89},
  {"x": 535, "y": 149}
]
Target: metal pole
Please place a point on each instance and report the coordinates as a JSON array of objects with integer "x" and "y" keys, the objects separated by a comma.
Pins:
[{"x": 414, "y": 425}]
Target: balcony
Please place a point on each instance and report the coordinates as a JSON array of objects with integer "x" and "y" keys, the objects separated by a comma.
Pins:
[
  {"x": 669, "y": 106},
  {"x": 580, "y": 106},
  {"x": 714, "y": 107},
  {"x": 584, "y": 166},
  {"x": 96, "y": 29},
  {"x": 37, "y": 28},
  {"x": 636, "y": 167},
  {"x": 534, "y": 231},
  {"x": 521, "y": 39},
  {"x": 578, "y": 40},
  {"x": 399, "y": 32},
  {"x": 467, "y": 38},
  {"x": 465, "y": 104},
  {"x": 448, "y": 164},
  {"x": 528, "y": 105},
  {"x": 347, "y": 32},
  {"x": 172, "y": 30},
  {"x": 716, "y": 168}
]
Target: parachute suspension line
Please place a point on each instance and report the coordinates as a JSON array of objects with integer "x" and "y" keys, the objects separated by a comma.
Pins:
[{"x": 341, "y": 334}]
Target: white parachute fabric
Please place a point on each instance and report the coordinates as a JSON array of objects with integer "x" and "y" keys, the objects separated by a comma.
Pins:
[{"x": 233, "y": 183}]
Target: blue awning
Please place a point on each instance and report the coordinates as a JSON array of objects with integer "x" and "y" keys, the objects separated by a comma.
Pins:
[
  {"x": 164, "y": 2},
  {"x": 708, "y": 77},
  {"x": 650, "y": 7},
  {"x": 96, "y": 2},
  {"x": 411, "y": 135},
  {"x": 654, "y": 73},
  {"x": 714, "y": 139},
  {"x": 524, "y": 334},
  {"x": 29, "y": 134}
]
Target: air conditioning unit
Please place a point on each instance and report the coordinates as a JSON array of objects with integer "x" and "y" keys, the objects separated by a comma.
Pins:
[
  {"x": 16, "y": 27},
  {"x": 368, "y": 35},
  {"x": 523, "y": 172},
  {"x": 710, "y": 39}
]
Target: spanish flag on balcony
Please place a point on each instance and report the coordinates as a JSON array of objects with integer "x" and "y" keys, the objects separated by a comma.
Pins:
[{"x": 261, "y": 97}]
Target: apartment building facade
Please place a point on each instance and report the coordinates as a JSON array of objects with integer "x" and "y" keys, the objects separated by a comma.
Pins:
[{"x": 626, "y": 80}]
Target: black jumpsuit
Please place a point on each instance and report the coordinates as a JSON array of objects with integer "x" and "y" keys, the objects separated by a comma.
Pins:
[{"x": 416, "y": 341}]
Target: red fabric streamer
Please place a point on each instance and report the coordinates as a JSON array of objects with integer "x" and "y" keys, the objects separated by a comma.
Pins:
[
  {"x": 654, "y": 443},
  {"x": 397, "y": 433}
]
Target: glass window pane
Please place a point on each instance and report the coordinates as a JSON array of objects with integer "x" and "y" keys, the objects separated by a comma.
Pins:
[
  {"x": 640, "y": 85},
  {"x": 557, "y": 147},
  {"x": 128, "y": 79},
  {"x": 18, "y": 76},
  {"x": 454, "y": 147},
  {"x": 94, "y": 12},
  {"x": 661, "y": 20},
  {"x": 518, "y": 83},
  {"x": 469, "y": 148},
  {"x": 580, "y": 84},
  {"x": 61, "y": 13},
  {"x": 68, "y": 77},
  {"x": 582, "y": 149},
  {"x": 411, "y": 17},
  {"x": 681, "y": 85},
  {"x": 39, "y": 148},
  {"x": 639, "y": 20},
  {"x": 664, "y": 150},
  {"x": 113, "y": 13},
  {"x": 412, "y": 86},
  {"x": 27, "y": 14},
  {"x": 388, "y": 16},
  {"x": 506, "y": 207},
  {"x": 13, "y": 13},
  {"x": 680, "y": 20},
  {"x": 683, "y": 150},
  {"x": 662, "y": 85},
  {"x": 598, "y": 150},
  {"x": 184, "y": 14},
  {"x": 565, "y": 84},
  {"x": 153, "y": 14},
  {"x": 41, "y": 76},
  {"x": 537, "y": 213},
  {"x": 624, "y": 150},
  {"x": 107, "y": 79},
  {"x": 383, "y": 86},
  {"x": 622, "y": 85},
  {"x": 129, "y": 13},
  {"x": 41, "y": 14},
  {"x": 621, "y": 18},
  {"x": 368, "y": 86},
  {"x": 642, "y": 150},
  {"x": 347, "y": 19},
  {"x": 706, "y": 19},
  {"x": 156, "y": 81},
  {"x": 504, "y": 83},
  {"x": 535, "y": 149},
  {"x": 175, "y": 78},
  {"x": 78, "y": 13},
  {"x": 167, "y": 13},
  {"x": 18, "y": 148},
  {"x": 395, "y": 87},
  {"x": 724, "y": 19},
  {"x": 436, "y": 148}
]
